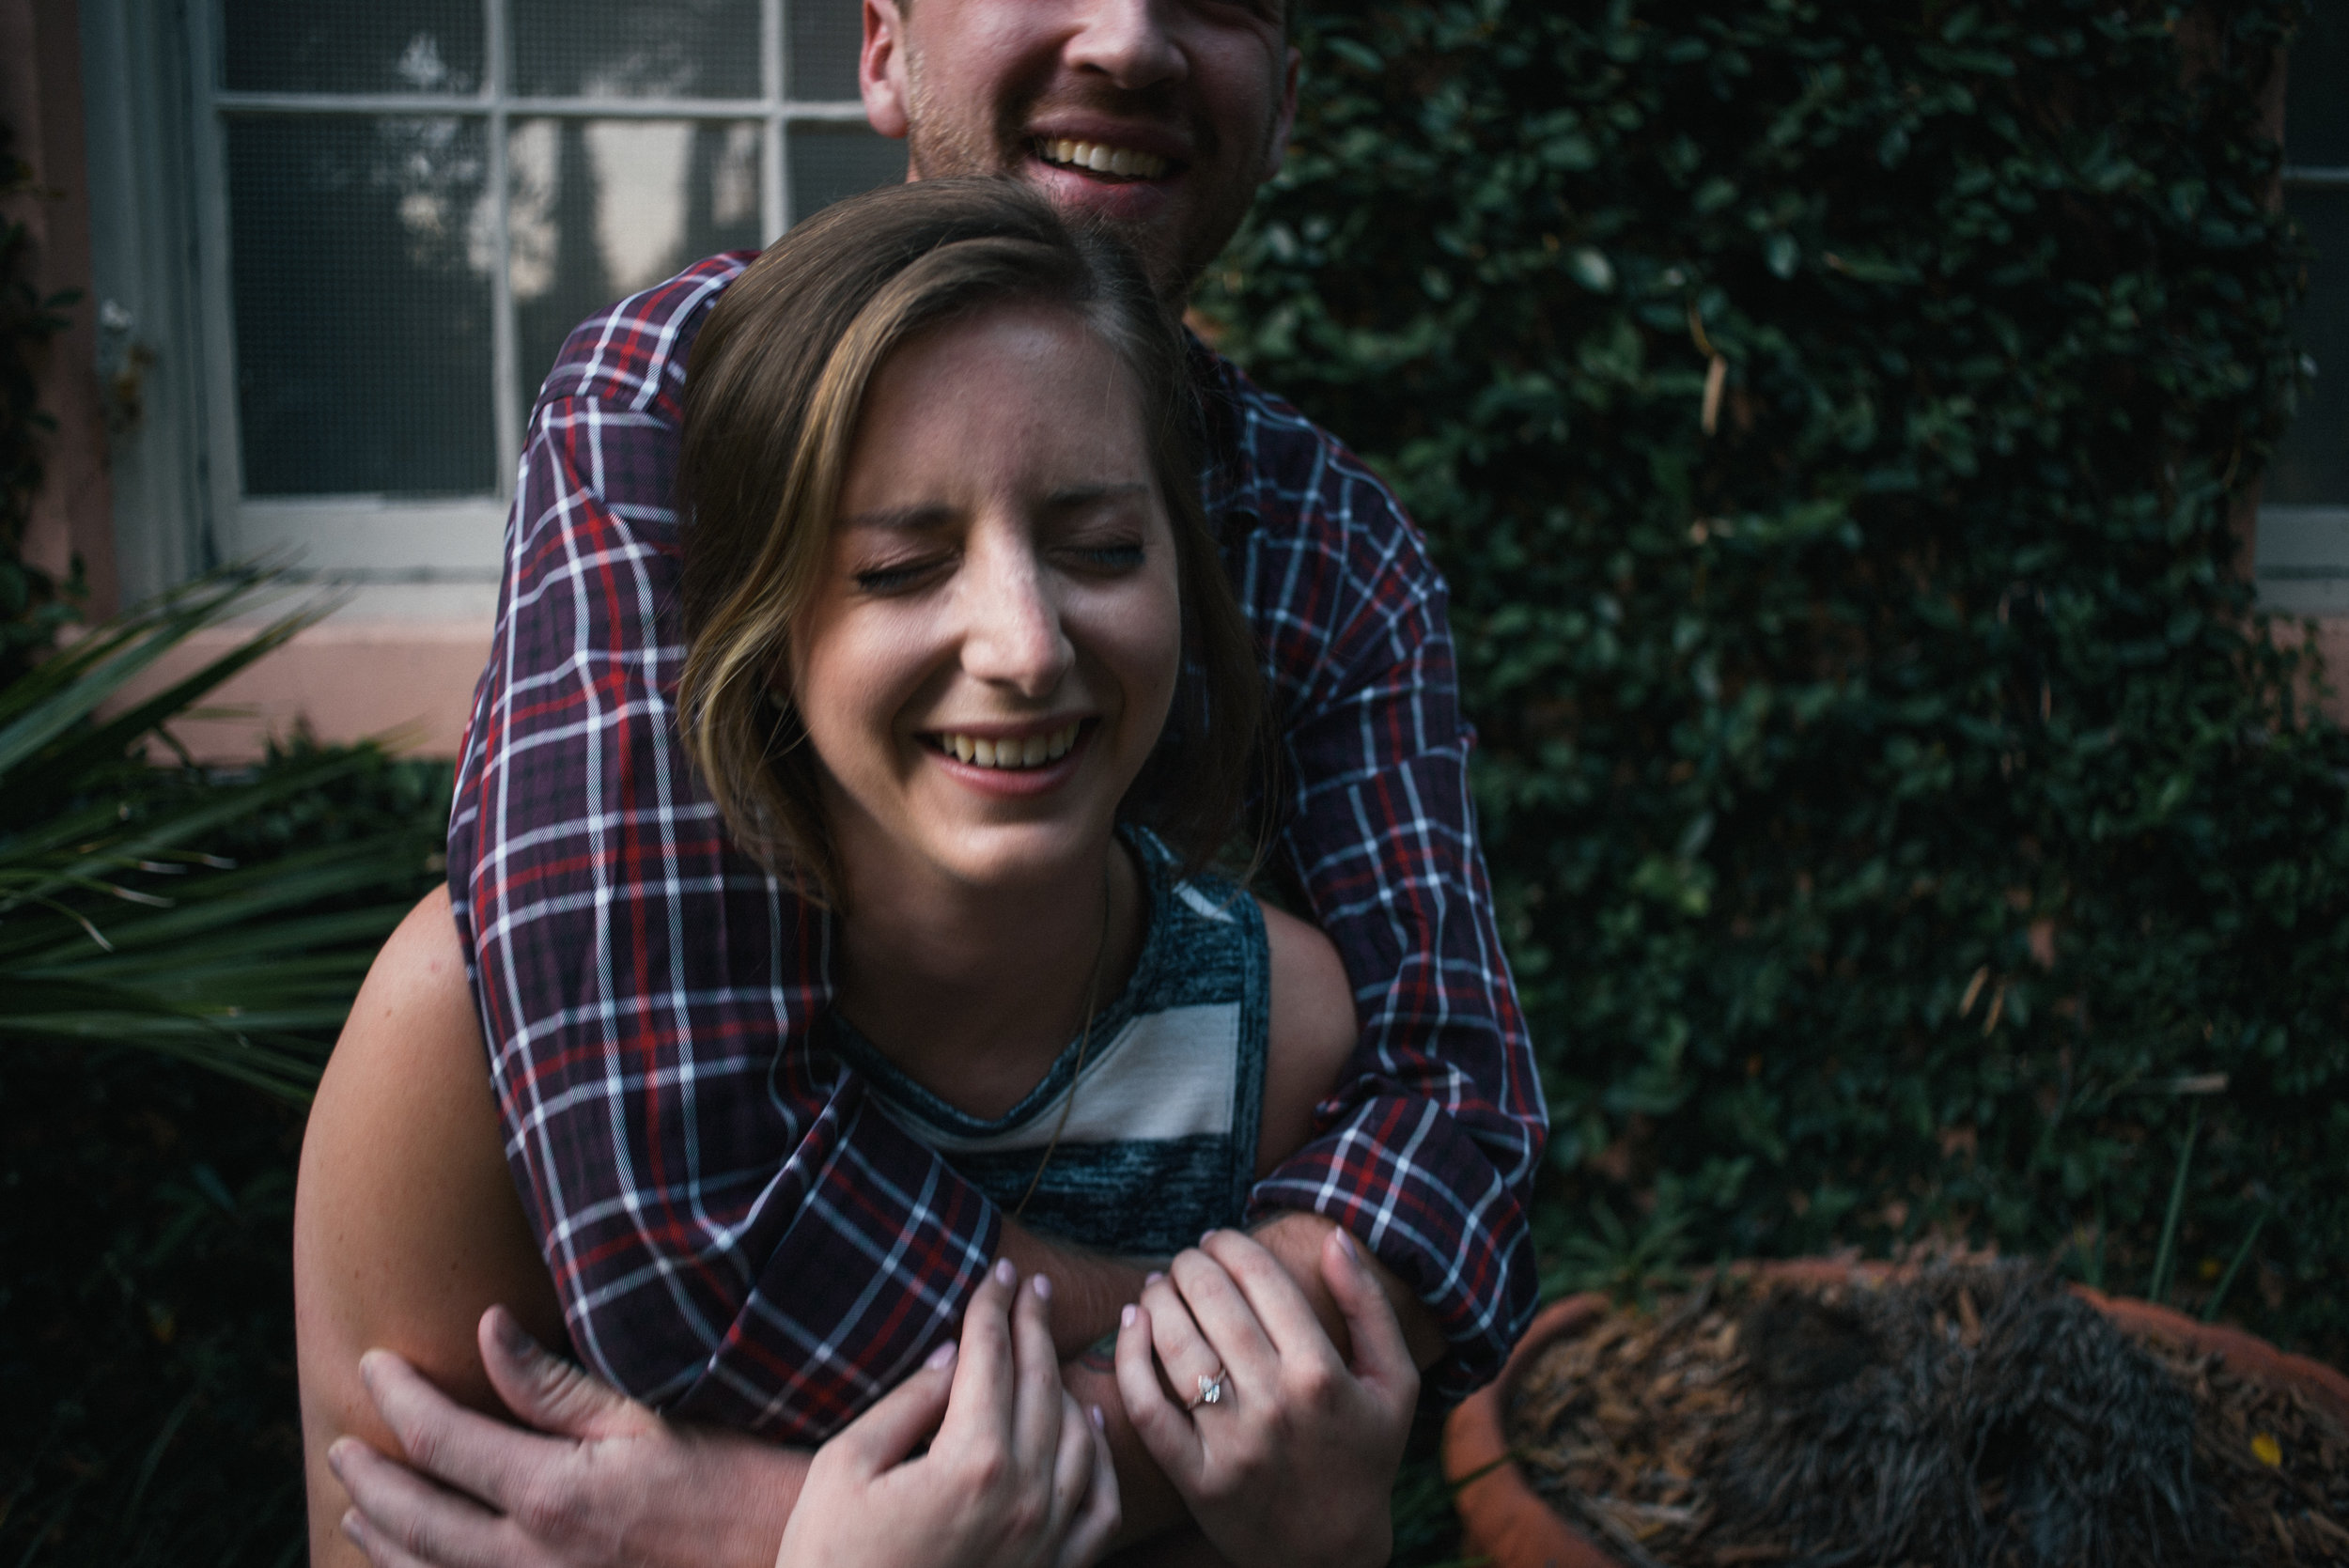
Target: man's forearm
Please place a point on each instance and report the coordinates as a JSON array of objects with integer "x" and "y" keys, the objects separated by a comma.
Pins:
[
  {"x": 1295, "y": 1239},
  {"x": 1088, "y": 1289}
]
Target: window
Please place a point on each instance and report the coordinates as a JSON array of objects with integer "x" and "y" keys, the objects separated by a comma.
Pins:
[
  {"x": 2303, "y": 564},
  {"x": 390, "y": 213}
]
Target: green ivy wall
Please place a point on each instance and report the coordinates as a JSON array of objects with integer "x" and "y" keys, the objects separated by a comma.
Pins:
[{"x": 1833, "y": 420}]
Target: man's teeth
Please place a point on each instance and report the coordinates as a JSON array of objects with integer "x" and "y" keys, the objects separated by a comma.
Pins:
[
  {"x": 1032, "y": 751},
  {"x": 1105, "y": 160}
]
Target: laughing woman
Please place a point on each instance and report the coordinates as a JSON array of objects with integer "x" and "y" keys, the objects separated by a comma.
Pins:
[{"x": 963, "y": 666}]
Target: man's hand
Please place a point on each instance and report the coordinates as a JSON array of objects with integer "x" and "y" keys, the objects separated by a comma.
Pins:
[
  {"x": 1292, "y": 1460},
  {"x": 613, "y": 1483}
]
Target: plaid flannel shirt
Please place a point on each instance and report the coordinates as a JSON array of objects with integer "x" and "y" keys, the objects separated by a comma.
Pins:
[{"x": 736, "y": 1232}]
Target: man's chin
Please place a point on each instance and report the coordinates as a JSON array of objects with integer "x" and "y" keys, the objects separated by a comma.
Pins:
[
  {"x": 1131, "y": 204},
  {"x": 1148, "y": 214}
]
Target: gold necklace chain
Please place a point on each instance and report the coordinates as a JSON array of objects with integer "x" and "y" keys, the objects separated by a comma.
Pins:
[{"x": 1084, "y": 1039}]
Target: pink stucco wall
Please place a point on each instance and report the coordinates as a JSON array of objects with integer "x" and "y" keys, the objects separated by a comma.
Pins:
[{"x": 40, "y": 98}]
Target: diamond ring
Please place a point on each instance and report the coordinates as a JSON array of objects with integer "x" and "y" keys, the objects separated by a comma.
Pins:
[{"x": 1210, "y": 1391}]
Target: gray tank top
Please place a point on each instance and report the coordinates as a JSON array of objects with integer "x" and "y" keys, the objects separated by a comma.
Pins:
[{"x": 1161, "y": 1144}]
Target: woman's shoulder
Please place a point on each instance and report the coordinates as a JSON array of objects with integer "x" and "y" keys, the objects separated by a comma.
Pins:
[{"x": 406, "y": 1221}]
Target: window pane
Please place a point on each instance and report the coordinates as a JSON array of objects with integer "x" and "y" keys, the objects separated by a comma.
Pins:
[
  {"x": 2312, "y": 466},
  {"x": 601, "y": 209},
  {"x": 2316, "y": 88},
  {"x": 628, "y": 49},
  {"x": 824, "y": 37},
  {"x": 828, "y": 162},
  {"x": 362, "y": 300},
  {"x": 351, "y": 46}
]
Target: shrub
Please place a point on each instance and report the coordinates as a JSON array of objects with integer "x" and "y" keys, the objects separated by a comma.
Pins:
[
  {"x": 1832, "y": 420},
  {"x": 32, "y": 607}
]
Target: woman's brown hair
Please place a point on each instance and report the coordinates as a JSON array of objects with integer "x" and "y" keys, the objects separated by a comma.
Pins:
[{"x": 772, "y": 394}]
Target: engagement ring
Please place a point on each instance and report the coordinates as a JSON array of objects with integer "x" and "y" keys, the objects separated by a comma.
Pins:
[{"x": 1210, "y": 1391}]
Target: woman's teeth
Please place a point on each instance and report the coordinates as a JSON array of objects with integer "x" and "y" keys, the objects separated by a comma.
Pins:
[
  {"x": 1032, "y": 751},
  {"x": 1105, "y": 160}
]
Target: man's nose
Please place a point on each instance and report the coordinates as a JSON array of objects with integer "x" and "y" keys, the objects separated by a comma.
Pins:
[
  {"x": 1131, "y": 41},
  {"x": 1013, "y": 634}
]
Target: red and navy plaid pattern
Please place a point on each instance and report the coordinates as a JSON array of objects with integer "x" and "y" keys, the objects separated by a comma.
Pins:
[{"x": 738, "y": 1233}]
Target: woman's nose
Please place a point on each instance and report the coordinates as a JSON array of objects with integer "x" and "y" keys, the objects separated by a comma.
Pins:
[{"x": 1013, "y": 635}]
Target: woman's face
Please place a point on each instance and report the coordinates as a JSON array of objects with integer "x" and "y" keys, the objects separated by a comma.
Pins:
[{"x": 993, "y": 649}]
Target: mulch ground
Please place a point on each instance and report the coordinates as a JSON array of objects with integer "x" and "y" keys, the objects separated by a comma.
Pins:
[{"x": 1620, "y": 1426}]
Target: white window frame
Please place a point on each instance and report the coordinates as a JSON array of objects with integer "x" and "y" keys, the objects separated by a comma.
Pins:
[
  {"x": 2302, "y": 561},
  {"x": 152, "y": 75}
]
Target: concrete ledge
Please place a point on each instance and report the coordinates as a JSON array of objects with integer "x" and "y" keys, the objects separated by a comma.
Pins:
[{"x": 409, "y": 684}]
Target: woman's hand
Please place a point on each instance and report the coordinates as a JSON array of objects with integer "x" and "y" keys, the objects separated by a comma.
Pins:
[
  {"x": 1294, "y": 1461},
  {"x": 1015, "y": 1476}
]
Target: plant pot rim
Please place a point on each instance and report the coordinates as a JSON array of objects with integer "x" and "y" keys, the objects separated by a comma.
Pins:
[{"x": 1504, "y": 1519}]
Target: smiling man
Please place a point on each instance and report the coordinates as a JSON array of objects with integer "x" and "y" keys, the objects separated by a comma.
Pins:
[
  {"x": 737, "y": 1237},
  {"x": 1161, "y": 118}
]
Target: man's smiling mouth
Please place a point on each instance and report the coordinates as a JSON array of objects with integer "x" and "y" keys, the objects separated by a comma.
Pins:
[{"x": 1100, "y": 158}]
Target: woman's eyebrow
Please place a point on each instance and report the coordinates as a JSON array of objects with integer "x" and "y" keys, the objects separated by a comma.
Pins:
[
  {"x": 917, "y": 518},
  {"x": 1070, "y": 497}
]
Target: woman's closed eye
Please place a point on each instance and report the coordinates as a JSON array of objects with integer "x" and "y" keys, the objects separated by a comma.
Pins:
[
  {"x": 1105, "y": 557},
  {"x": 882, "y": 579}
]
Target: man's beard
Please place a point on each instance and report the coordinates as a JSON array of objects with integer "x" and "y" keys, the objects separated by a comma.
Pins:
[{"x": 937, "y": 147}]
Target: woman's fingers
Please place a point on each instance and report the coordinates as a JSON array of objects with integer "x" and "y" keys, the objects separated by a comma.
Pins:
[
  {"x": 981, "y": 1409},
  {"x": 1184, "y": 1350},
  {"x": 1381, "y": 1355},
  {"x": 1170, "y": 1438},
  {"x": 1097, "y": 1520},
  {"x": 1072, "y": 1463},
  {"x": 901, "y": 1419},
  {"x": 1284, "y": 1317},
  {"x": 1036, "y": 1419}
]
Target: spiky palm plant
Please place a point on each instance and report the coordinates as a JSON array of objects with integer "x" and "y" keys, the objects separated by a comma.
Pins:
[{"x": 118, "y": 924}]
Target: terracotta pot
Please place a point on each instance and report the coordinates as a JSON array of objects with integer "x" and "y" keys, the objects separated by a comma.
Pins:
[{"x": 1503, "y": 1518}]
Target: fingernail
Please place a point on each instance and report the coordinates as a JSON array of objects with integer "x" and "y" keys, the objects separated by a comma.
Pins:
[
  {"x": 1125, "y": 1316},
  {"x": 1100, "y": 1422},
  {"x": 1006, "y": 1274},
  {"x": 1206, "y": 1236},
  {"x": 942, "y": 1358},
  {"x": 1345, "y": 1245},
  {"x": 512, "y": 1338},
  {"x": 334, "y": 1456},
  {"x": 1043, "y": 1287},
  {"x": 350, "y": 1526},
  {"x": 1152, "y": 1278}
]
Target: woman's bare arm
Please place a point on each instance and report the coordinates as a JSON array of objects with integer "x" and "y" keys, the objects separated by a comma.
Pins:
[
  {"x": 405, "y": 1222},
  {"x": 1314, "y": 1033}
]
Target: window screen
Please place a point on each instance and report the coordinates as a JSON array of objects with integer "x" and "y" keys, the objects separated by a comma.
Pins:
[
  {"x": 424, "y": 196},
  {"x": 2313, "y": 467},
  {"x": 2303, "y": 557},
  {"x": 362, "y": 325}
]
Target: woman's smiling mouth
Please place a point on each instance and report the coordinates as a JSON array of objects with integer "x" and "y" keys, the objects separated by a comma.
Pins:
[{"x": 1008, "y": 753}]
